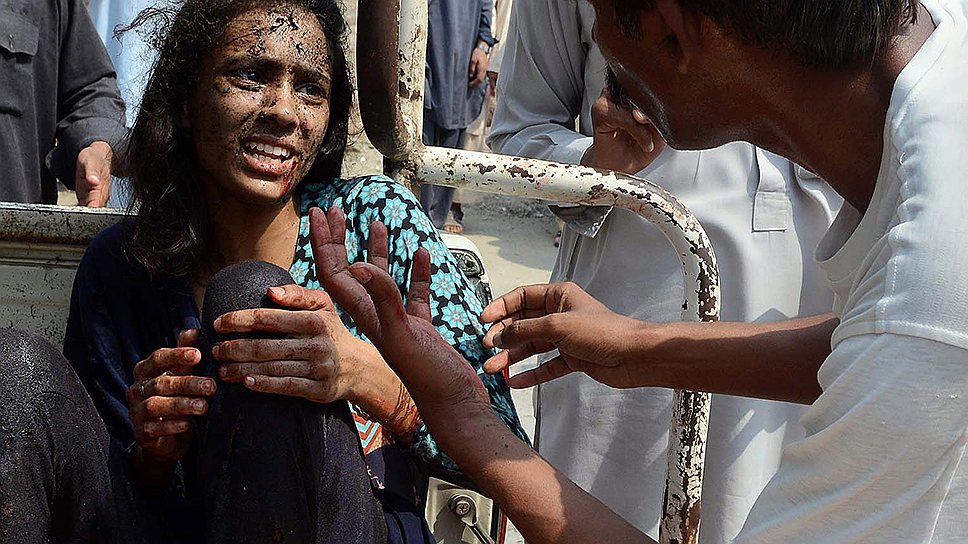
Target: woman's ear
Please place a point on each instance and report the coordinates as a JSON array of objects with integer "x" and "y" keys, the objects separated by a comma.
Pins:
[{"x": 686, "y": 25}]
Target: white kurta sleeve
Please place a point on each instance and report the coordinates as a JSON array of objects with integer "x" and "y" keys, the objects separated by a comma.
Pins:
[
  {"x": 882, "y": 460},
  {"x": 541, "y": 88}
]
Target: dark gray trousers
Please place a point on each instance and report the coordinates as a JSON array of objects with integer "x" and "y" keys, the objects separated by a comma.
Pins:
[
  {"x": 264, "y": 468},
  {"x": 436, "y": 200}
]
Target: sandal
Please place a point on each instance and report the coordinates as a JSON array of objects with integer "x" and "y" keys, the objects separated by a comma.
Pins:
[{"x": 452, "y": 225}]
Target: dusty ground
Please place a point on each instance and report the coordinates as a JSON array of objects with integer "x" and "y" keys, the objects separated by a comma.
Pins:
[{"x": 514, "y": 237}]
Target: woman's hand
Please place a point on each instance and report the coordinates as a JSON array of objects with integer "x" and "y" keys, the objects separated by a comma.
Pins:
[
  {"x": 317, "y": 358},
  {"x": 320, "y": 359},
  {"x": 437, "y": 376},
  {"x": 162, "y": 400}
]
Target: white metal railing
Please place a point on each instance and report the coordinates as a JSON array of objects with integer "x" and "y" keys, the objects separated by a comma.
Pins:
[{"x": 40, "y": 248}]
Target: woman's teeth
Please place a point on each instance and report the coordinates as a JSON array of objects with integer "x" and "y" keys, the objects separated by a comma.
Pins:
[{"x": 269, "y": 151}]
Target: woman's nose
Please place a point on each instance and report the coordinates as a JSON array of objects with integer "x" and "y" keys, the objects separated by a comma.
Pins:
[{"x": 282, "y": 106}]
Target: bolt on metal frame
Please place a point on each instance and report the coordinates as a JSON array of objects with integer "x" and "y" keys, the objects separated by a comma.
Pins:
[{"x": 391, "y": 85}]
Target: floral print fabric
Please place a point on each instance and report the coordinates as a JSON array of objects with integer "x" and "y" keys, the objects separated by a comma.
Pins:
[{"x": 454, "y": 306}]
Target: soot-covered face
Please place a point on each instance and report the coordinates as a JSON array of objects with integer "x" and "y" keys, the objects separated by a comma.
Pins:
[{"x": 260, "y": 110}]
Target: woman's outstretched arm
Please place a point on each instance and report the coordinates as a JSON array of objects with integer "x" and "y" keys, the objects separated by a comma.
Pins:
[
  {"x": 544, "y": 505},
  {"x": 455, "y": 307}
]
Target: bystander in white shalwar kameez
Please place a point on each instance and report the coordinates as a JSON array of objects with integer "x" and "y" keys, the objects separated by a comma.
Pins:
[{"x": 764, "y": 215}]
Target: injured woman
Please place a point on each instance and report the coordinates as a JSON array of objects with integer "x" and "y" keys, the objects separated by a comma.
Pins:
[{"x": 281, "y": 422}]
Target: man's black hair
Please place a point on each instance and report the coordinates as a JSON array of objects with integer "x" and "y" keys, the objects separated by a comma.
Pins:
[{"x": 817, "y": 33}]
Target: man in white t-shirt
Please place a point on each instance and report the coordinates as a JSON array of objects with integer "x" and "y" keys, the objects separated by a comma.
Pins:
[
  {"x": 872, "y": 96},
  {"x": 613, "y": 442}
]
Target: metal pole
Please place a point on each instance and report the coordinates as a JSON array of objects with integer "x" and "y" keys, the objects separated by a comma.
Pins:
[
  {"x": 391, "y": 53},
  {"x": 577, "y": 184},
  {"x": 557, "y": 182}
]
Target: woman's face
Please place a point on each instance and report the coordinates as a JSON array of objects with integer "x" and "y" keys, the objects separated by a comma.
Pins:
[{"x": 261, "y": 107}]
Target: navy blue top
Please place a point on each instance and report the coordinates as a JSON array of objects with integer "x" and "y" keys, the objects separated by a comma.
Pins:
[{"x": 120, "y": 314}]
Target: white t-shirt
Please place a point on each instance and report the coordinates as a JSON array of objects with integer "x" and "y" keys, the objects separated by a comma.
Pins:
[{"x": 882, "y": 461}]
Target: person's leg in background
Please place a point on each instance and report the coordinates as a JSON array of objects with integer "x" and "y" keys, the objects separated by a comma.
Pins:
[{"x": 436, "y": 200}]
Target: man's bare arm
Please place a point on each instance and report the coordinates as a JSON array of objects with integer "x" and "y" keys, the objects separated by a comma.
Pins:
[{"x": 777, "y": 361}]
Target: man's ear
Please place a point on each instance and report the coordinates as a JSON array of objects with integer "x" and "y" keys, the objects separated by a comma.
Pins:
[{"x": 686, "y": 25}]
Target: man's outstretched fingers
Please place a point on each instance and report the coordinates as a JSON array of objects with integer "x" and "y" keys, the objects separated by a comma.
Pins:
[
  {"x": 528, "y": 297},
  {"x": 377, "y": 246},
  {"x": 298, "y": 297},
  {"x": 508, "y": 357},
  {"x": 418, "y": 298},
  {"x": 552, "y": 370},
  {"x": 497, "y": 328},
  {"x": 540, "y": 331},
  {"x": 493, "y": 331}
]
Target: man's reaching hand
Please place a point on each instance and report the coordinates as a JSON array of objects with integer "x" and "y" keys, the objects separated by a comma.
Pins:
[{"x": 536, "y": 319}]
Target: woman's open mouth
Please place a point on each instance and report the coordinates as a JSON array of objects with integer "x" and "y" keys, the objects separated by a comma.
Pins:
[{"x": 268, "y": 160}]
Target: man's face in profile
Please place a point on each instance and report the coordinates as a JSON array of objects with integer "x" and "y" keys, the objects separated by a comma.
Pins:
[{"x": 685, "y": 100}]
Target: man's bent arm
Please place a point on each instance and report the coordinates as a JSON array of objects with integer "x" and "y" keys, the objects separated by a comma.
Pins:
[
  {"x": 775, "y": 361},
  {"x": 89, "y": 103},
  {"x": 542, "y": 91}
]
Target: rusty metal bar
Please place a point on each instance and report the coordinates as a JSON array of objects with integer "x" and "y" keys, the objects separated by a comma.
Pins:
[
  {"x": 40, "y": 248},
  {"x": 557, "y": 182},
  {"x": 72, "y": 226},
  {"x": 390, "y": 73},
  {"x": 393, "y": 86}
]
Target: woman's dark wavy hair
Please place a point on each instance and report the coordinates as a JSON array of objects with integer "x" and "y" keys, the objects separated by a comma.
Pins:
[{"x": 171, "y": 232}]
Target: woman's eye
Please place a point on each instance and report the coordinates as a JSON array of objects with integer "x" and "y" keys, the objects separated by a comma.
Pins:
[
  {"x": 248, "y": 76},
  {"x": 313, "y": 90}
]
